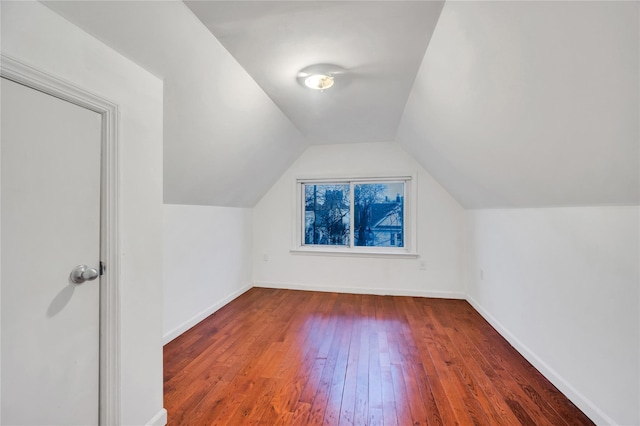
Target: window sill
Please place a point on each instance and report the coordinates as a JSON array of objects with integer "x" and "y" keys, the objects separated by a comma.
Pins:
[{"x": 353, "y": 252}]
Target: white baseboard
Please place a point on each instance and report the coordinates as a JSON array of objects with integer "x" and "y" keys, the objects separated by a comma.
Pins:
[
  {"x": 160, "y": 419},
  {"x": 177, "y": 331},
  {"x": 359, "y": 290},
  {"x": 588, "y": 407}
]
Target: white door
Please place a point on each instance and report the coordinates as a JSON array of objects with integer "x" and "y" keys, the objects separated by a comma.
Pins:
[{"x": 50, "y": 212}]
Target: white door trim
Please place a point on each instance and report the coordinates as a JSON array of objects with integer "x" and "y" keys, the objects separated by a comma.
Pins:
[{"x": 12, "y": 69}]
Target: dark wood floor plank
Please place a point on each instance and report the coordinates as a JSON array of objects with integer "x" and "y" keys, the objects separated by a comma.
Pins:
[
  {"x": 478, "y": 405},
  {"x": 375, "y": 381},
  {"x": 526, "y": 404},
  {"x": 433, "y": 344},
  {"x": 301, "y": 414},
  {"x": 387, "y": 319},
  {"x": 528, "y": 400},
  {"x": 205, "y": 375},
  {"x": 402, "y": 405},
  {"x": 321, "y": 399},
  {"x": 413, "y": 396},
  {"x": 290, "y": 387},
  {"x": 549, "y": 393},
  {"x": 254, "y": 404},
  {"x": 347, "y": 409},
  {"x": 422, "y": 333},
  {"x": 197, "y": 339},
  {"x": 231, "y": 342},
  {"x": 222, "y": 408},
  {"x": 499, "y": 411},
  {"x": 361, "y": 409},
  {"x": 336, "y": 389},
  {"x": 281, "y": 357},
  {"x": 297, "y": 364},
  {"x": 311, "y": 387},
  {"x": 389, "y": 413}
]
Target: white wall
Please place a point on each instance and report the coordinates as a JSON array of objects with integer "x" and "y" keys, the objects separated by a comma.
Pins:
[
  {"x": 37, "y": 36},
  {"x": 207, "y": 262},
  {"x": 561, "y": 284},
  {"x": 439, "y": 229}
]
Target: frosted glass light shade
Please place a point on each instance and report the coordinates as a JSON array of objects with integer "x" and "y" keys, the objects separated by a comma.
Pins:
[{"x": 319, "y": 81}]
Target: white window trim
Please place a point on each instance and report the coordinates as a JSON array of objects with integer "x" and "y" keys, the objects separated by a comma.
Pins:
[{"x": 410, "y": 217}]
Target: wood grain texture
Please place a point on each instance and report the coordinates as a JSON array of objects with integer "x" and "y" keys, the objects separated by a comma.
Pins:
[{"x": 283, "y": 357}]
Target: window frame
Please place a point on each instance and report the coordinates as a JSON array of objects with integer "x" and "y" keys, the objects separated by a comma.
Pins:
[{"x": 409, "y": 216}]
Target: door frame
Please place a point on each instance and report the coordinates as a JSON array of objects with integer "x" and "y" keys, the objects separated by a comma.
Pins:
[{"x": 109, "y": 370}]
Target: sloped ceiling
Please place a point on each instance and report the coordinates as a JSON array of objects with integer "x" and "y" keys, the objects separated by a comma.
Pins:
[
  {"x": 225, "y": 141},
  {"x": 529, "y": 104},
  {"x": 515, "y": 104}
]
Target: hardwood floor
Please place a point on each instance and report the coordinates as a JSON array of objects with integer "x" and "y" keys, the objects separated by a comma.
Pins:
[{"x": 281, "y": 357}]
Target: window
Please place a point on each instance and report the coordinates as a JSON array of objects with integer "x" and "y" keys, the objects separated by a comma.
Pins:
[
  {"x": 379, "y": 213},
  {"x": 355, "y": 215},
  {"x": 327, "y": 214}
]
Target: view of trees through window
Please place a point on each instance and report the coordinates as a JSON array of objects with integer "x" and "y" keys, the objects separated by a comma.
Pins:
[
  {"x": 378, "y": 214},
  {"x": 377, "y": 210},
  {"x": 327, "y": 214}
]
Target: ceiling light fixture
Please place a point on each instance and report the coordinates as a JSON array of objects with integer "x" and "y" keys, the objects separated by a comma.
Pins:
[
  {"x": 319, "y": 81},
  {"x": 320, "y": 76}
]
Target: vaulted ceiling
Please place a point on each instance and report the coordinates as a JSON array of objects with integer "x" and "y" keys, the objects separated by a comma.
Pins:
[
  {"x": 379, "y": 45},
  {"x": 506, "y": 104}
]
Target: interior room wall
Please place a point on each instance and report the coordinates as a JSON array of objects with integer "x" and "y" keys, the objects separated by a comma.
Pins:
[
  {"x": 37, "y": 36},
  {"x": 439, "y": 231},
  {"x": 207, "y": 262},
  {"x": 561, "y": 284}
]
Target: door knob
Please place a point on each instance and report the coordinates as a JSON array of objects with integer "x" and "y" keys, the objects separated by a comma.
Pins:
[{"x": 82, "y": 273}]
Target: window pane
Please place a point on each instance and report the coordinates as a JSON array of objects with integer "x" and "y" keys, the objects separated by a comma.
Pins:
[
  {"x": 326, "y": 214},
  {"x": 379, "y": 214}
]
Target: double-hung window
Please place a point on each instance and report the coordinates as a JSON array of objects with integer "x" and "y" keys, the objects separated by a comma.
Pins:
[{"x": 356, "y": 215}]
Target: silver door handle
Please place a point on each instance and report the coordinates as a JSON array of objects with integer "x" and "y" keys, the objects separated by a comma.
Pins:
[{"x": 82, "y": 273}]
